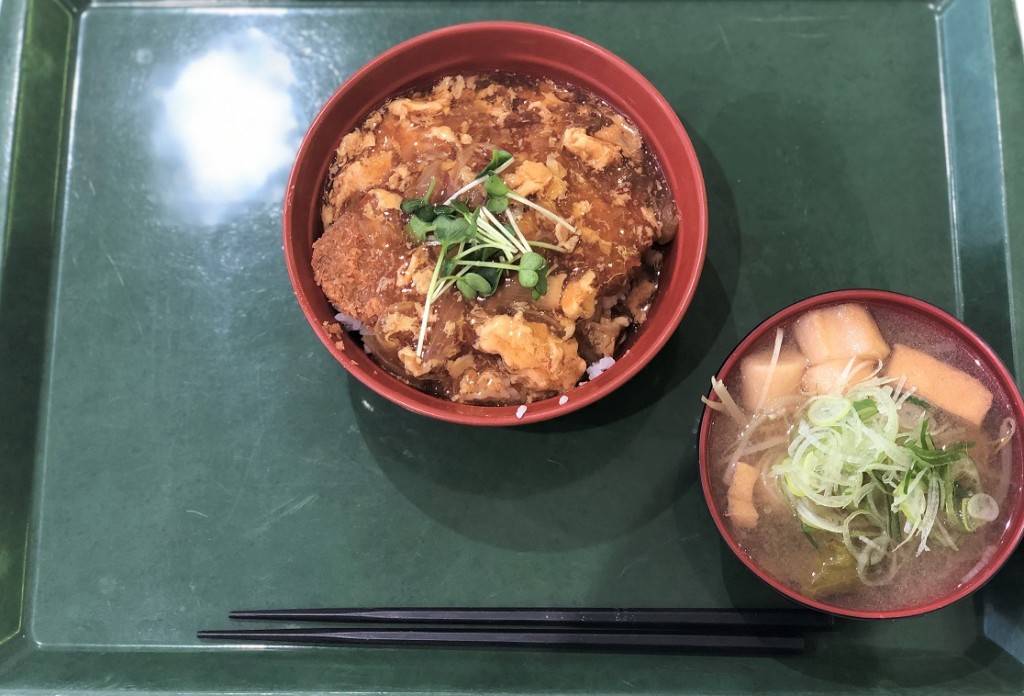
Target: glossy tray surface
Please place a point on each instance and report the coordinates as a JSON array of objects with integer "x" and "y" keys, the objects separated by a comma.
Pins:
[{"x": 175, "y": 443}]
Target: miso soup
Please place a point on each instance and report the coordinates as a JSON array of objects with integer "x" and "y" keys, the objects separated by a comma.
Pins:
[{"x": 861, "y": 454}]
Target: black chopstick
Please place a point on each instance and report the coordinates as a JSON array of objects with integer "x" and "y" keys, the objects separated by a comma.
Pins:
[
  {"x": 511, "y": 638},
  {"x": 728, "y": 631},
  {"x": 622, "y": 618}
]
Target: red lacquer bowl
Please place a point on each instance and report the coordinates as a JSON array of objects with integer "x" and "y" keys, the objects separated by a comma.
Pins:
[
  {"x": 1007, "y": 397},
  {"x": 524, "y": 49}
]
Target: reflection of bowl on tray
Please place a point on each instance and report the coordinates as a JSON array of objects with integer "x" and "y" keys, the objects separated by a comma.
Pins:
[
  {"x": 861, "y": 454},
  {"x": 522, "y": 50}
]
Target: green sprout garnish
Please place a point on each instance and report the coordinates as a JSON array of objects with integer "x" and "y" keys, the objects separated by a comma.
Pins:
[
  {"x": 476, "y": 247},
  {"x": 421, "y": 206},
  {"x": 499, "y": 158},
  {"x": 497, "y": 194}
]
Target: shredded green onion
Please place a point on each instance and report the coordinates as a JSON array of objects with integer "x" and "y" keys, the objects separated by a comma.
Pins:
[
  {"x": 828, "y": 410},
  {"x": 853, "y": 470}
]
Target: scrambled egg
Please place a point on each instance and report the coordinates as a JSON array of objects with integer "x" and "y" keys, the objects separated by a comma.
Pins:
[{"x": 542, "y": 359}]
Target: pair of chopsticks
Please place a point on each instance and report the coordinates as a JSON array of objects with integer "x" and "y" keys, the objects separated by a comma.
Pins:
[{"x": 676, "y": 630}]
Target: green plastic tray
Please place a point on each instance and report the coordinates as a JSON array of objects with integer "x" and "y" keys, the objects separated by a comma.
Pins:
[{"x": 174, "y": 442}]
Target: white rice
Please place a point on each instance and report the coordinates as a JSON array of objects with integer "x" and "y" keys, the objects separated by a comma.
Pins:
[
  {"x": 598, "y": 368},
  {"x": 563, "y": 400},
  {"x": 350, "y": 323},
  {"x": 521, "y": 411}
]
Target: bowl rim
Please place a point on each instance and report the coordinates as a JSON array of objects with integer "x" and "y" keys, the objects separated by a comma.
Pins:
[
  {"x": 1015, "y": 525},
  {"x": 586, "y": 392}
]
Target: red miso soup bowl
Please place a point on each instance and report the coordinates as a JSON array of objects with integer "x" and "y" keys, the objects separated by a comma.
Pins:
[
  {"x": 527, "y": 50},
  {"x": 861, "y": 452}
]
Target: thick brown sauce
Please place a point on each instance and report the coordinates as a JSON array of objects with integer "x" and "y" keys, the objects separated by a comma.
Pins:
[{"x": 574, "y": 155}]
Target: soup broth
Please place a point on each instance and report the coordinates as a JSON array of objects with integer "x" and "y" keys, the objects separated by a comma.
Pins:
[{"x": 778, "y": 489}]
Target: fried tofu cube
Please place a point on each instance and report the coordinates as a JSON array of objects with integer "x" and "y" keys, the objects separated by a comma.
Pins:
[
  {"x": 740, "y": 496},
  {"x": 839, "y": 333},
  {"x": 829, "y": 378},
  {"x": 758, "y": 376},
  {"x": 940, "y": 384}
]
